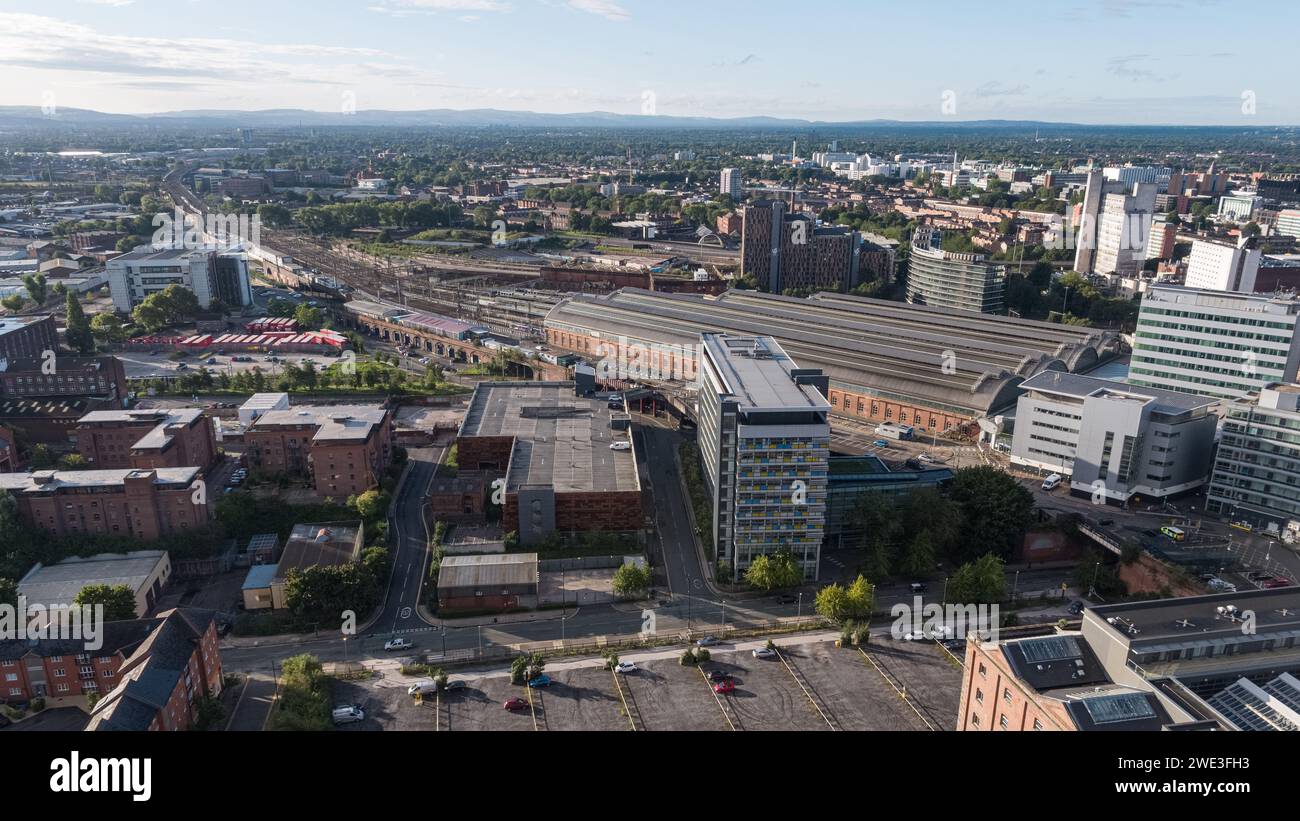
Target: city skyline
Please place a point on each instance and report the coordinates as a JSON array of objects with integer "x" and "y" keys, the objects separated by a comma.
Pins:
[{"x": 1105, "y": 62}]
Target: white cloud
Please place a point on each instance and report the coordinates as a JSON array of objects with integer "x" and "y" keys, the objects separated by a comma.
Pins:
[{"x": 605, "y": 8}]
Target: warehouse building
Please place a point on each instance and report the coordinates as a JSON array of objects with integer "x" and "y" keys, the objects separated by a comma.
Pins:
[
  {"x": 496, "y": 582},
  {"x": 553, "y": 448},
  {"x": 931, "y": 368}
]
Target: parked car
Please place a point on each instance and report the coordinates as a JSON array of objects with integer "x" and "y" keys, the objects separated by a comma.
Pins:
[
  {"x": 719, "y": 675},
  {"x": 620, "y": 446},
  {"x": 427, "y": 687},
  {"x": 541, "y": 681},
  {"x": 1276, "y": 582},
  {"x": 726, "y": 686},
  {"x": 880, "y": 443},
  {"x": 515, "y": 704},
  {"x": 456, "y": 684},
  {"x": 917, "y": 587},
  {"x": 348, "y": 713},
  {"x": 707, "y": 641},
  {"x": 625, "y": 667},
  {"x": 398, "y": 644},
  {"x": 764, "y": 653},
  {"x": 1076, "y": 608},
  {"x": 787, "y": 598},
  {"x": 925, "y": 457}
]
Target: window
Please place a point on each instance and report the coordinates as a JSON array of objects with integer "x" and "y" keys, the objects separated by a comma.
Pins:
[
  {"x": 1006, "y": 694},
  {"x": 983, "y": 670},
  {"x": 974, "y": 720},
  {"x": 1038, "y": 725},
  {"x": 1003, "y": 723},
  {"x": 979, "y": 696}
]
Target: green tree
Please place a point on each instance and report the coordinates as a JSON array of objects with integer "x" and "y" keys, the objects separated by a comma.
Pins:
[
  {"x": 369, "y": 505},
  {"x": 996, "y": 510},
  {"x": 108, "y": 327},
  {"x": 36, "y": 287},
  {"x": 630, "y": 580},
  {"x": 308, "y": 317},
  {"x": 118, "y": 600},
  {"x": 72, "y": 461},
  {"x": 860, "y": 598},
  {"x": 832, "y": 602},
  {"x": 78, "y": 336},
  {"x": 982, "y": 581},
  {"x": 14, "y": 302},
  {"x": 769, "y": 572},
  {"x": 918, "y": 557}
]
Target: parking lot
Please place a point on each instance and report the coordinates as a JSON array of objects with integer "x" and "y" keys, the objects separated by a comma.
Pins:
[{"x": 813, "y": 686}]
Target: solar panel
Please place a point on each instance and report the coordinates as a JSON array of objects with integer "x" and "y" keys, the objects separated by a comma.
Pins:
[
  {"x": 1051, "y": 648},
  {"x": 1119, "y": 707}
]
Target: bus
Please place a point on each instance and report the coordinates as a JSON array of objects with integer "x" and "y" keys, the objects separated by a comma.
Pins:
[
  {"x": 1175, "y": 533},
  {"x": 890, "y": 431}
]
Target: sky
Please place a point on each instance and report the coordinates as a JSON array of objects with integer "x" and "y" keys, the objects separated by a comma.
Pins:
[{"x": 1199, "y": 62}]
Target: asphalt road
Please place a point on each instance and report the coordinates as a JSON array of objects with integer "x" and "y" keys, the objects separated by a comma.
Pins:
[{"x": 410, "y": 538}]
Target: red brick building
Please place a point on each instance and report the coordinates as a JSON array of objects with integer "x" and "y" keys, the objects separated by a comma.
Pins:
[
  {"x": 27, "y": 337},
  {"x": 160, "y": 438},
  {"x": 343, "y": 448},
  {"x": 163, "y": 680},
  {"x": 147, "y": 504},
  {"x": 102, "y": 377},
  {"x": 552, "y": 448}
]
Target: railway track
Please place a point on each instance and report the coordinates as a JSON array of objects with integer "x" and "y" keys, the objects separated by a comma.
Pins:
[{"x": 814, "y": 698}]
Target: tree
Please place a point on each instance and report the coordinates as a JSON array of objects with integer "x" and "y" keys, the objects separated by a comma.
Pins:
[
  {"x": 108, "y": 327},
  {"x": 369, "y": 505},
  {"x": 996, "y": 510},
  {"x": 308, "y": 317},
  {"x": 918, "y": 557},
  {"x": 982, "y": 581},
  {"x": 770, "y": 572},
  {"x": 929, "y": 510},
  {"x": 41, "y": 458},
  {"x": 832, "y": 602},
  {"x": 8, "y": 592},
  {"x": 72, "y": 461},
  {"x": 118, "y": 600},
  {"x": 36, "y": 287},
  {"x": 14, "y": 302},
  {"x": 78, "y": 336},
  {"x": 630, "y": 580},
  {"x": 860, "y": 598}
]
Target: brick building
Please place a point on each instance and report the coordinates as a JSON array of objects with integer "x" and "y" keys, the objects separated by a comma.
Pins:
[
  {"x": 27, "y": 337},
  {"x": 157, "y": 438},
  {"x": 63, "y": 668},
  {"x": 553, "y": 449},
  {"x": 147, "y": 504},
  {"x": 164, "y": 678},
  {"x": 102, "y": 377},
  {"x": 344, "y": 448}
]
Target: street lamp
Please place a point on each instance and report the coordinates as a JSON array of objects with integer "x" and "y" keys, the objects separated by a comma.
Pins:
[{"x": 1015, "y": 586}]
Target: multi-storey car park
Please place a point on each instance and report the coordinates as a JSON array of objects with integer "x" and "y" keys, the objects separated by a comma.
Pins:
[{"x": 932, "y": 368}]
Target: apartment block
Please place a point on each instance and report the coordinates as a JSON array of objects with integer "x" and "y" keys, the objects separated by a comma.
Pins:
[
  {"x": 102, "y": 377},
  {"x": 147, "y": 504},
  {"x": 764, "y": 439},
  {"x": 1113, "y": 441},
  {"x": 1222, "y": 266},
  {"x": 1257, "y": 468},
  {"x": 344, "y": 448},
  {"x": 785, "y": 252},
  {"x": 943, "y": 279},
  {"x": 159, "y": 438},
  {"x": 731, "y": 182},
  {"x": 1219, "y": 344},
  {"x": 1115, "y": 220}
]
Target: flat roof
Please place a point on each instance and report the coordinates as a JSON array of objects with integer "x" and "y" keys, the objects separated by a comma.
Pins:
[
  {"x": 1077, "y": 385},
  {"x": 1196, "y": 619},
  {"x": 561, "y": 440},
  {"x": 332, "y": 422},
  {"x": 51, "y": 480},
  {"x": 162, "y": 418},
  {"x": 60, "y": 583},
  {"x": 259, "y": 576},
  {"x": 757, "y": 373},
  {"x": 264, "y": 401},
  {"x": 488, "y": 570}
]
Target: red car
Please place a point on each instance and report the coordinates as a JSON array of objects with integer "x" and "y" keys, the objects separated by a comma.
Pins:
[
  {"x": 515, "y": 704},
  {"x": 725, "y": 686},
  {"x": 1276, "y": 582}
]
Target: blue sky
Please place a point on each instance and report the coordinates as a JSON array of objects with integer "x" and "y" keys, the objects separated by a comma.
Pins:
[{"x": 1092, "y": 61}]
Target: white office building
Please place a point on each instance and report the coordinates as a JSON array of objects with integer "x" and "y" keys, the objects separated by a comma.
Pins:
[
  {"x": 1220, "y": 344},
  {"x": 1238, "y": 207},
  {"x": 1113, "y": 441},
  {"x": 1288, "y": 222},
  {"x": 1114, "y": 226},
  {"x": 1257, "y": 468},
  {"x": 211, "y": 275},
  {"x": 732, "y": 183},
  {"x": 764, "y": 438},
  {"x": 1130, "y": 174},
  {"x": 1222, "y": 266}
]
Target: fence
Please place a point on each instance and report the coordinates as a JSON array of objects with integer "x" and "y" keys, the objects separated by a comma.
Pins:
[{"x": 581, "y": 563}]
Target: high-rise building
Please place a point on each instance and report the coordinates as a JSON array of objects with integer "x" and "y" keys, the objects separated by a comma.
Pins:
[
  {"x": 1288, "y": 222},
  {"x": 1257, "y": 469},
  {"x": 1222, "y": 266},
  {"x": 764, "y": 438},
  {"x": 1114, "y": 221},
  {"x": 789, "y": 252},
  {"x": 732, "y": 183},
  {"x": 1215, "y": 343},
  {"x": 945, "y": 279},
  {"x": 1163, "y": 235},
  {"x": 1130, "y": 174},
  {"x": 211, "y": 275},
  {"x": 1112, "y": 440}
]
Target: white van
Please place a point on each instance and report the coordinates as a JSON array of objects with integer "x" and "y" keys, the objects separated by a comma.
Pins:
[
  {"x": 425, "y": 687},
  {"x": 1051, "y": 482},
  {"x": 348, "y": 714}
]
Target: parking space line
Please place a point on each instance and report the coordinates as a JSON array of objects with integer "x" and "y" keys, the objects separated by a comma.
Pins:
[
  {"x": 728, "y": 712},
  {"x": 809, "y": 691},
  {"x": 902, "y": 691},
  {"x": 633, "y": 712},
  {"x": 534, "y": 706}
]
